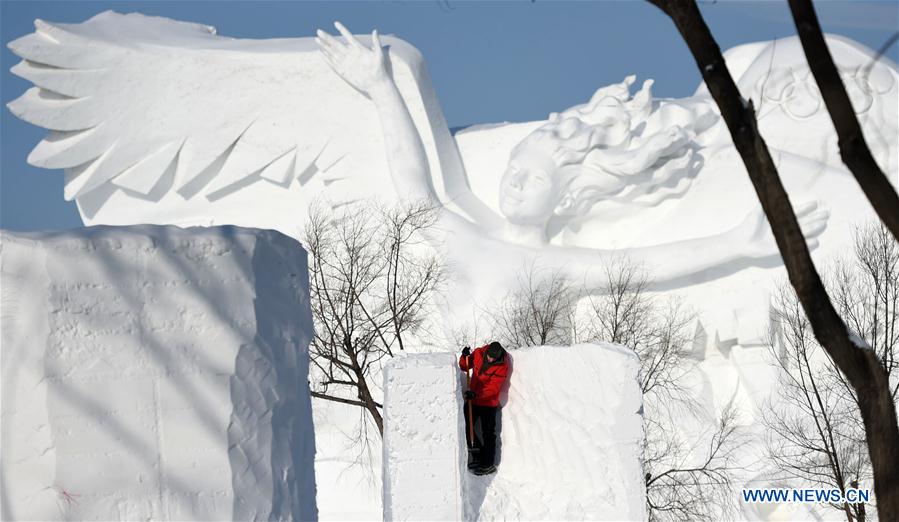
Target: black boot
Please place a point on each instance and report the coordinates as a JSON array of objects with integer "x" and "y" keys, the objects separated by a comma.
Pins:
[
  {"x": 484, "y": 470},
  {"x": 474, "y": 457}
]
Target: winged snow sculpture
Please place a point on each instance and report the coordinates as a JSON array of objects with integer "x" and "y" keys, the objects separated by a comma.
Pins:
[
  {"x": 616, "y": 146},
  {"x": 158, "y": 120},
  {"x": 161, "y": 121}
]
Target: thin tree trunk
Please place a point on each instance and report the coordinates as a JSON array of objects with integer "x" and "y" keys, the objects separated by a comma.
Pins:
[
  {"x": 365, "y": 395},
  {"x": 853, "y": 148},
  {"x": 372, "y": 406},
  {"x": 861, "y": 366}
]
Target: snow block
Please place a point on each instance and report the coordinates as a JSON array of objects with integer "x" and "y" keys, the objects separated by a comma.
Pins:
[
  {"x": 423, "y": 443},
  {"x": 155, "y": 373},
  {"x": 570, "y": 439}
]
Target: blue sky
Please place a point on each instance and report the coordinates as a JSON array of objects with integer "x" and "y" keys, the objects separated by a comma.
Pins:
[{"x": 489, "y": 61}]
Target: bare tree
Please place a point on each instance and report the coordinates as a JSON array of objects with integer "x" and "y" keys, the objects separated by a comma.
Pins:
[
  {"x": 862, "y": 367},
  {"x": 536, "y": 312},
  {"x": 813, "y": 433},
  {"x": 866, "y": 292},
  {"x": 688, "y": 469},
  {"x": 625, "y": 313},
  {"x": 682, "y": 486},
  {"x": 816, "y": 433},
  {"x": 371, "y": 278},
  {"x": 622, "y": 313}
]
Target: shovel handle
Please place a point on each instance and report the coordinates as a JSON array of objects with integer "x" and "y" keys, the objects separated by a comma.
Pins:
[{"x": 470, "y": 415}]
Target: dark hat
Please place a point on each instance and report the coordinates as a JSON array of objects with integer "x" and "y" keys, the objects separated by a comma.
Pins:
[{"x": 495, "y": 350}]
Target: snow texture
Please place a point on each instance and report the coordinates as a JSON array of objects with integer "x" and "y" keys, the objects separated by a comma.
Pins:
[
  {"x": 260, "y": 164},
  {"x": 570, "y": 439},
  {"x": 154, "y": 372},
  {"x": 732, "y": 300},
  {"x": 423, "y": 441},
  {"x": 166, "y": 122},
  {"x": 243, "y": 163}
]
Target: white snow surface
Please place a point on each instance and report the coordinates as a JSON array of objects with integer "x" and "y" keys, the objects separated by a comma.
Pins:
[
  {"x": 193, "y": 128},
  {"x": 424, "y": 445},
  {"x": 259, "y": 169},
  {"x": 732, "y": 300},
  {"x": 200, "y": 148},
  {"x": 155, "y": 373},
  {"x": 570, "y": 438}
]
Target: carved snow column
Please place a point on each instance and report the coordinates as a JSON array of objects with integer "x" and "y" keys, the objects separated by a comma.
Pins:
[
  {"x": 156, "y": 372},
  {"x": 423, "y": 445}
]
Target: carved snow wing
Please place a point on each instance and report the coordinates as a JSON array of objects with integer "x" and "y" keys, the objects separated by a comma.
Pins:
[{"x": 151, "y": 110}]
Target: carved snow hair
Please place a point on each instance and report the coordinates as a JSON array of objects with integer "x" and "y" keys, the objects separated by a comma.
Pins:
[{"x": 601, "y": 150}]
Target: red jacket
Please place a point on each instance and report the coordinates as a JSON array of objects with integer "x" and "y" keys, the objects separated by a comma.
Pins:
[{"x": 486, "y": 384}]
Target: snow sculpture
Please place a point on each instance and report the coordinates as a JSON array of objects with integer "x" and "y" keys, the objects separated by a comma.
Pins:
[
  {"x": 424, "y": 449},
  {"x": 154, "y": 372},
  {"x": 570, "y": 448},
  {"x": 158, "y": 121},
  {"x": 589, "y": 399},
  {"x": 791, "y": 112},
  {"x": 165, "y": 122},
  {"x": 586, "y": 154},
  {"x": 154, "y": 139}
]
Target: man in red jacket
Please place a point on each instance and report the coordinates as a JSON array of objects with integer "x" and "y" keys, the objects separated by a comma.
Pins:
[{"x": 489, "y": 371}]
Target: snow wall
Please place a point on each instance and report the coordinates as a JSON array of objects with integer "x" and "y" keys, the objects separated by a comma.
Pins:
[
  {"x": 570, "y": 439},
  {"x": 155, "y": 372},
  {"x": 423, "y": 440}
]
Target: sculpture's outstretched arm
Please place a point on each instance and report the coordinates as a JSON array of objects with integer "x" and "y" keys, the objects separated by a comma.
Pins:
[
  {"x": 366, "y": 70},
  {"x": 751, "y": 239}
]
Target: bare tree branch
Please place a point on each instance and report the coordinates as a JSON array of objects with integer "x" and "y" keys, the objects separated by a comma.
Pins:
[
  {"x": 814, "y": 433},
  {"x": 684, "y": 480},
  {"x": 853, "y": 147},
  {"x": 861, "y": 367},
  {"x": 370, "y": 283},
  {"x": 538, "y": 311},
  {"x": 336, "y": 399}
]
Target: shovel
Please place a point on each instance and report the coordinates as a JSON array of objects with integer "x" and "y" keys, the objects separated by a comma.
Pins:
[
  {"x": 469, "y": 408},
  {"x": 472, "y": 450}
]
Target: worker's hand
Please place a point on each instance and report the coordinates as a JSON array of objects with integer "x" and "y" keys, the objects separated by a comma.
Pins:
[
  {"x": 466, "y": 351},
  {"x": 469, "y": 395}
]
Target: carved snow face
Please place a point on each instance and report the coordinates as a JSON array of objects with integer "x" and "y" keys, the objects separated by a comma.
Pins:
[{"x": 528, "y": 193}]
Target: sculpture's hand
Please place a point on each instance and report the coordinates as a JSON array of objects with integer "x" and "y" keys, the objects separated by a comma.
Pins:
[
  {"x": 755, "y": 234},
  {"x": 361, "y": 67},
  {"x": 367, "y": 71}
]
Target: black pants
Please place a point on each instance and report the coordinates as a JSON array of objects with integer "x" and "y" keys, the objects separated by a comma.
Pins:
[{"x": 483, "y": 448}]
